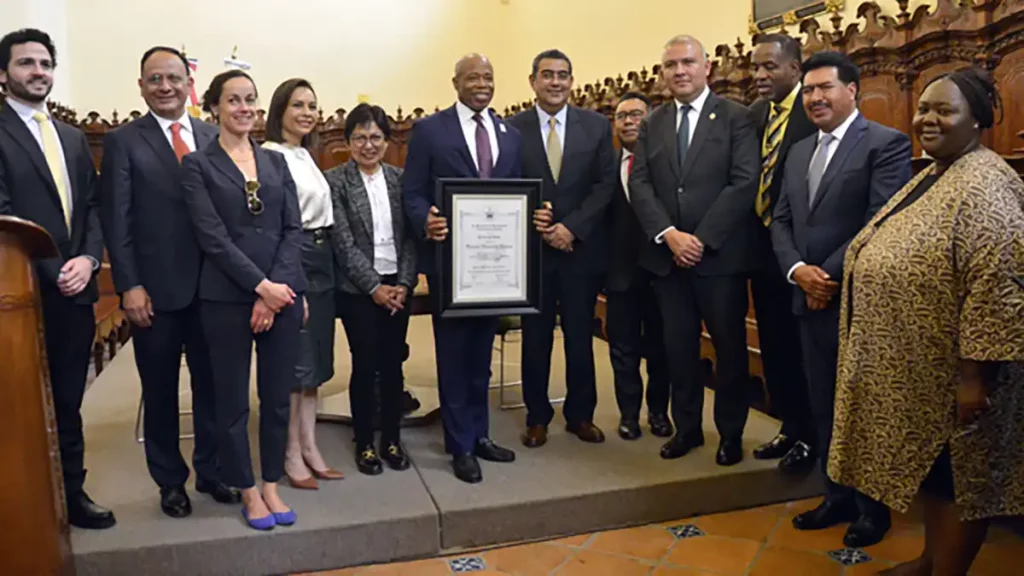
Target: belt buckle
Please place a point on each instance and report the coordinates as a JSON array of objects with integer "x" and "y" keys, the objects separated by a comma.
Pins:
[{"x": 318, "y": 237}]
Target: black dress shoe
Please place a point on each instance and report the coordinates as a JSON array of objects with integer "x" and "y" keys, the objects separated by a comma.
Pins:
[
  {"x": 867, "y": 531},
  {"x": 774, "y": 449},
  {"x": 660, "y": 425},
  {"x": 174, "y": 502},
  {"x": 395, "y": 456},
  {"x": 409, "y": 403},
  {"x": 730, "y": 451},
  {"x": 681, "y": 444},
  {"x": 467, "y": 468},
  {"x": 84, "y": 513},
  {"x": 368, "y": 462},
  {"x": 827, "y": 514},
  {"x": 219, "y": 491},
  {"x": 798, "y": 461},
  {"x": 629, "y": 430},
  {"x": 486, "y": 449}
]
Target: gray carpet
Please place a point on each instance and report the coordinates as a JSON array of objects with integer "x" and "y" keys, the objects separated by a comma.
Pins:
[{"x": 563, "y": 488}]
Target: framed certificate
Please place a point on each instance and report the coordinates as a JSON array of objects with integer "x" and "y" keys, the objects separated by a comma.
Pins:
[{"x": 490, "y": 263}]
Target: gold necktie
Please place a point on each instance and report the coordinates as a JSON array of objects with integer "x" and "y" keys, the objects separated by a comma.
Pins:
[
  {"x": 52, "y": 151},
  {"x": 554, "y": 149},
  {"x": 770, "y": 157}
]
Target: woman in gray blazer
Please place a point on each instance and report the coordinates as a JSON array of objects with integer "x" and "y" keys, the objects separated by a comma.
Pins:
[{"x": 377, "y": 259}]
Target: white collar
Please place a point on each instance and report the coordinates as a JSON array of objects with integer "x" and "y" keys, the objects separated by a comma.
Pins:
[
  {"x": 26, "y": 111},
  {"x": 698, "y": 102},
  {"x": 559, "y": 116},
  {"x": 626, "y": 154},
  {"x": 165, "y": 124},
  {"x": 466, "y": 113},
  {"x": 840, "y": 131}
]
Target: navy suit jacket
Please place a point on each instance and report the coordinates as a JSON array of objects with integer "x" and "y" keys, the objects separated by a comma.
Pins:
[
  {"x": 145, "y": 222},
  {"x": 870, "y": 165},
  {"x": 27, "y": 190},
  {"x": 437, "y": 149},
  {"x": 241, "y": 249}
]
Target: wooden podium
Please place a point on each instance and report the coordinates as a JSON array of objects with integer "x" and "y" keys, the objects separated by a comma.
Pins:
[{"x": 35, "y": 539}]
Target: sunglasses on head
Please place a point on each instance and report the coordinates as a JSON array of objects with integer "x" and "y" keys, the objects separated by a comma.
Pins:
[{"x": 251, "y": 199}]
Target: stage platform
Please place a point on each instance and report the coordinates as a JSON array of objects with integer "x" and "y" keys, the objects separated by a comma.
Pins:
[{"x": 563, "y": 488}]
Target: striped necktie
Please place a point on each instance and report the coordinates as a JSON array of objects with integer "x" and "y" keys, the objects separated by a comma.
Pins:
[
  {"x": 52, "y": 151},
  {"x": 770, "y": 154}
]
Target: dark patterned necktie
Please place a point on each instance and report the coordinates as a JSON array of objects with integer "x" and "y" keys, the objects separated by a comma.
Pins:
[
  {"x": 484, "y": 159},
  {"x": 683, "y": 133}
]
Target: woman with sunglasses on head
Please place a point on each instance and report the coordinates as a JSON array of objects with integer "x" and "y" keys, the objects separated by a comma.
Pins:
[
  {"x": 245, "y": 214},
  {"x": 378, "y": 272},
  {"x": 290, "y": 124}
]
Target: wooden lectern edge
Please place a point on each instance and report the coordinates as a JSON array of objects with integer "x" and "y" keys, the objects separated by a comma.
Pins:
[{"x": 36, "y": 240}]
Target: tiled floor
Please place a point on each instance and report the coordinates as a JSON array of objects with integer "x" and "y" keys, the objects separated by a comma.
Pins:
[{"x": 758, "y": 542}]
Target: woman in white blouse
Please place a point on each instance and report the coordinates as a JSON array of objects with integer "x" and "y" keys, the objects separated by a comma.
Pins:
[
  {"x": 378, "y": 274},
  {"x": 290, "y": 124}
]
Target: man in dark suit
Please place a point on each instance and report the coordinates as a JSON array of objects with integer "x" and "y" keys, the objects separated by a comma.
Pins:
[
  {"x": 635, "y": 328},
  {"x": 834, "y": 181},
  {"x": 47, "y": 176},
  {"x": 571, "y": 150},
  {"x": 154, "y": 260},
  {"x": 463, "y": 141},
  {"x": 781, "y": 121},
  {"x": 692, "y": 186}
]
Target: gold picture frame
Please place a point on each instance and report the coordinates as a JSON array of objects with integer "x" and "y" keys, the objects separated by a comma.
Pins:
[{"x": 766, "y": 15}]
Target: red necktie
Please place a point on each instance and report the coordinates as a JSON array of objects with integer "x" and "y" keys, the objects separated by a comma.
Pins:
[
  {"x": 629, "y": 164},
  {"x": 180, "y": 148}
]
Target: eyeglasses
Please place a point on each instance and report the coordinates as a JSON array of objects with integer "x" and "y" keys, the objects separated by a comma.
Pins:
[
  {"x": 252, "y": 200},
  {"x": 635, "y": 115},
  {"x": 360, "y": 140}
]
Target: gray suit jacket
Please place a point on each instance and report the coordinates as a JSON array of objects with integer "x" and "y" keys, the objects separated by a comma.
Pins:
[{"x": 353, "y": 229}]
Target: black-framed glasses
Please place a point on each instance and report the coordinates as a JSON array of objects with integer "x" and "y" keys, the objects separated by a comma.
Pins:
[
  {"x": 252, "y": 200},
  {"x": 634, "y": 114}
]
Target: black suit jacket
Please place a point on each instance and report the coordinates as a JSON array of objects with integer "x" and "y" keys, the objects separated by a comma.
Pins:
[
  {"x": 871, "y": 164},
  {"x": 710, "y": 196},
  {"x": 27, "y": 190},
  {"x": 145, "y": 222},
  {"x": 241, "y": 249},
  {"x": 626, "y": 238},
  {"x": 586, "y": 183},
  {"x": 798, "y": 127}
]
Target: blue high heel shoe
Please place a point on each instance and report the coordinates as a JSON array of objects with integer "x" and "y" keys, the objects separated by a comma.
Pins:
[
  {"x": 265, "y": 523},
  {"x": 285, "y": 518}
]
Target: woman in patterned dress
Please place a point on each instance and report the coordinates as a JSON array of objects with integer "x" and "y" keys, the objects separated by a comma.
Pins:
[{"x": 930, "y": 390}]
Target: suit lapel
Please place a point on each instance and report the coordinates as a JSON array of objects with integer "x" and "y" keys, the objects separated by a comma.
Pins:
[
  {"x": 668, "y": 134},
  {"x": 504, "y": 150},
  {"x": 533, "y": 144},
  {"x": 203, "y": 133},
  {"x": 394, "y": 185},
  {"x": 699, "y": 135},
  {"x": 220, "y": 159},
  {"x": 802, "y": 158},
  {"x": 20, "y": 133},
  {"x": 455, "y": 127},
  {"x": 154, "y": 136},
  {"x": 573, "y": 136},
  {"x": 360, "y": 197},
  {"x": 849, "y": 142}
]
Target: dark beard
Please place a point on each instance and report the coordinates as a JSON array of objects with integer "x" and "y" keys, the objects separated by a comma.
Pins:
[{"x": 20, "y": 92}]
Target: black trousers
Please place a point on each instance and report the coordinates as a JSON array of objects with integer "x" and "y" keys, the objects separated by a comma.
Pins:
[
  {"x": 158, "y": 358},
  {"x": 635, "y": 331},
  {"x": 781, "y": 354},
  {"x": 377, "y": 342},
  {"x": 573, "y": 297},
  {"x": 721, "y": 302},
  {"x": 70, "y": 329},
  {"x": 819, "y": 335},
  {"x": 226, "y": 328}
]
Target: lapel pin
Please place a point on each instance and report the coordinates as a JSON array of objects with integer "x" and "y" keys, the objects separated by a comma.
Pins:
[
  {"x": 712, "y": 116},
  {"x": 502, "y": 128}
]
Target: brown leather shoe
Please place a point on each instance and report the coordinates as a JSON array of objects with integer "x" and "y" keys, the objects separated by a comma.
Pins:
[
  {"x": 587, "y": 432},
  {"x": 535, "y": 436}
]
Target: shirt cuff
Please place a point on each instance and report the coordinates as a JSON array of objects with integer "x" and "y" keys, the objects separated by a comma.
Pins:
[
  {"x": 660, "y": 238},
  {"x": 789, "y": 275},
  {"x": 374, "y": 289}
]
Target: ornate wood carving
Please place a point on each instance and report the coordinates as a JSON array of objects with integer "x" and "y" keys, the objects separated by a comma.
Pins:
[{"x": 898, "y": 54}]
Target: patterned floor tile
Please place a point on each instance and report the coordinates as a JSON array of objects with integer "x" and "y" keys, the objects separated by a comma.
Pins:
[
  {"x": 683, "y": 531},
  {"x": 849, "y": 556},
  {"x": 467, "y": 564}
]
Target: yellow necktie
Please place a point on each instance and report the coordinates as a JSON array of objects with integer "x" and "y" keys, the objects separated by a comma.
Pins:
[
  {"x": 770, "y": 156},
  {"x": 52, "y": 151},
  {"x": 554, "y": 149}
]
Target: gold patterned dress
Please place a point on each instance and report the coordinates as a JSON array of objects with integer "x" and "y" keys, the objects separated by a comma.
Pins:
[{"x": 922, "y": 288}]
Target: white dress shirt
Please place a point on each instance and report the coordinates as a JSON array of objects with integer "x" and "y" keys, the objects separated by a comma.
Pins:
[
  {"x": 186, "y": 130},
  {"x": 310, "y": 185},
  {"x": 469, "y": 131},
  {"x": 694, "y": 116},
  {"x": 25, "y": 112},
  {"x": 624, "y": 171},
  {"x": 545, "y": 126},
  {"x": 838, "y": 134},
  {"x": 385, "y": 254}
]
